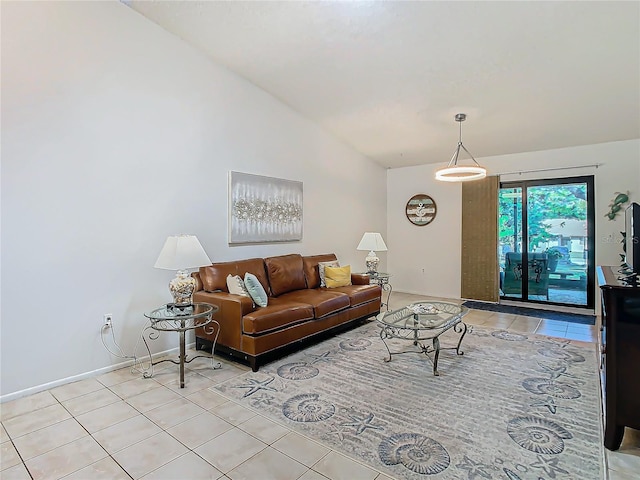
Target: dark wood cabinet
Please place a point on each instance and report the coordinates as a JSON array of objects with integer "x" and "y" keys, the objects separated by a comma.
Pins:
[{"x": 620, "y": 347}]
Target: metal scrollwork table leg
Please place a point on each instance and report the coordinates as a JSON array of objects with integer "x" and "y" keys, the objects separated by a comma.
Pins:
[
  {"x": 386, "y": 287},
  {"x": 387, "y": 332},
  {"x": 182, "y": 358}
]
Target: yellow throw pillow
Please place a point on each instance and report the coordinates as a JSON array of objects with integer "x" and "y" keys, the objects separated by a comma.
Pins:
[{"x": 337, "y": 276}]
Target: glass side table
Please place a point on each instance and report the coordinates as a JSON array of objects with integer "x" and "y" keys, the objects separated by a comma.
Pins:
[
  {"x": 382, "y": 279},
  {"x": 170, "y": 318}
]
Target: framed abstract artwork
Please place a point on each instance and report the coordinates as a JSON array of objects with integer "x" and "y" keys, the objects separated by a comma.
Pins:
[{"x": 264, "y": 209}]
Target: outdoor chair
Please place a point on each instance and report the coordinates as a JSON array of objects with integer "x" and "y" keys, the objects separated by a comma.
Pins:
[{"x": 538, "y": 274}]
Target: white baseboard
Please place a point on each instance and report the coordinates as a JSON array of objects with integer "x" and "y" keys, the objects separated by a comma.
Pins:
[
  {"x": 411, "y": 292},
  {"x": 82, "y": 376}
]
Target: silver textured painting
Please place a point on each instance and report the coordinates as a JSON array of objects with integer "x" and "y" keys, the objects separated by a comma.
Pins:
[{"x": 264, "y": 209}]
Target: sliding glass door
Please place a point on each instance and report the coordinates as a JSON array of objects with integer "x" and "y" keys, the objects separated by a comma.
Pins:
[{"x": 546, "y": 240}]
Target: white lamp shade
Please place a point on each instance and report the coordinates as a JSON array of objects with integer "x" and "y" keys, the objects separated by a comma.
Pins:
[
  {"x": 372, "y": 241},
  {"x": 181, "y": 252}
]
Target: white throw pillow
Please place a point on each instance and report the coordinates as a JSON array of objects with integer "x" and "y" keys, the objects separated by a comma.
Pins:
[
  {"x": 235, "y": 284},
  {"x": 321, "y": 265}
]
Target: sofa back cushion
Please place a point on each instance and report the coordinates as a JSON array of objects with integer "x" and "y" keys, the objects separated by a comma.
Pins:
[
  {"x": 311, "y": 267},
  {"x": 214, "y": 276},
  {"x": 285, "y": 273}
]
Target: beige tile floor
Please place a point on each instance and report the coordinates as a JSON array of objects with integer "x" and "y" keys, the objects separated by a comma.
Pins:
[{"x": 121, "y": 426}]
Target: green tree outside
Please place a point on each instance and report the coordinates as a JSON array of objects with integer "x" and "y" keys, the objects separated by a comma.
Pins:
[{"x": 545, "y": 202}]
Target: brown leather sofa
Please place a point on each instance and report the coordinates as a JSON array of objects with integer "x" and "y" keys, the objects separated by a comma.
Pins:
[{"x": 298, "y": 308}]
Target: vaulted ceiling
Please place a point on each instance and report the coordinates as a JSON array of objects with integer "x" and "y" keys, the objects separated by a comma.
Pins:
[{"x": 388, "y": 77}]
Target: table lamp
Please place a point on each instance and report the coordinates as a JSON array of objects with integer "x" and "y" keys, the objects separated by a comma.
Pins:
[
  {"x": 373, "y": 242},
  {"x": 179, "y": 253}
]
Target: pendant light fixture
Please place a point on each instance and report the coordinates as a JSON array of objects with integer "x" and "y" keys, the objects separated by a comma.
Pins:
[{"x": 459, "y": 173}]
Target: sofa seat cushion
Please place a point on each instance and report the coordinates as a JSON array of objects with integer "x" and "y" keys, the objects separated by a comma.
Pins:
[
  {"x": 278, "y": 314},
  {"x": 324, "y": 302},
  {"x": 359, "y": 294}
]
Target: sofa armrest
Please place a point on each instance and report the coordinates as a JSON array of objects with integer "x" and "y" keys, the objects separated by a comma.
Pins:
[
  {"x": 359, "y": 279},
  {"x": 231, "y": 309}
]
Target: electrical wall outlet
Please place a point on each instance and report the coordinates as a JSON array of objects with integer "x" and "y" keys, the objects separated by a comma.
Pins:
[{"x": 108, "y": 317}]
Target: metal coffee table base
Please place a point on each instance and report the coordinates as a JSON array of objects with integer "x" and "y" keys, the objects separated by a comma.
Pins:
[{"x": 389, "y": 332}]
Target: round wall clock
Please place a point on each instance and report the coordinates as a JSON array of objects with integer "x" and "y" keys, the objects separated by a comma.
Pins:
[{"x": 421, "y": 209}]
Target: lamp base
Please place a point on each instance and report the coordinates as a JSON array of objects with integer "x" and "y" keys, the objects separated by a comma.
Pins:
[
  {"x": 181, "y": 288},
  {"x": 180, "y": 309},
  {"x": 372, "y": 261}
]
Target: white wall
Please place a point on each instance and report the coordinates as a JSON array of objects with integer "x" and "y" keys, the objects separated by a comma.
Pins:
[
  {"x": 116, "y": 134},
  {"x": 436, "y": 247},
  {"x": 423, "y": 259}
]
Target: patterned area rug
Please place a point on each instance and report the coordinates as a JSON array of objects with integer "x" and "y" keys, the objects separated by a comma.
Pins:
[
  {"x": 585, "y": 319},
  {"x": 512, "y": 407}
]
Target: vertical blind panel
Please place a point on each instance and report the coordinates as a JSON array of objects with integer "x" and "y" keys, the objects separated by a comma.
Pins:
[{"x": 480, "y": 275}]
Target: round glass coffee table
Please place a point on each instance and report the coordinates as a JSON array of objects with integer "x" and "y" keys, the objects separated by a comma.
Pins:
[{"x": 420, "y": 322}]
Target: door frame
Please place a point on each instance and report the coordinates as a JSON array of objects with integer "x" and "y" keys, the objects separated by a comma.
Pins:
[{"x": 591, "y": 233}]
